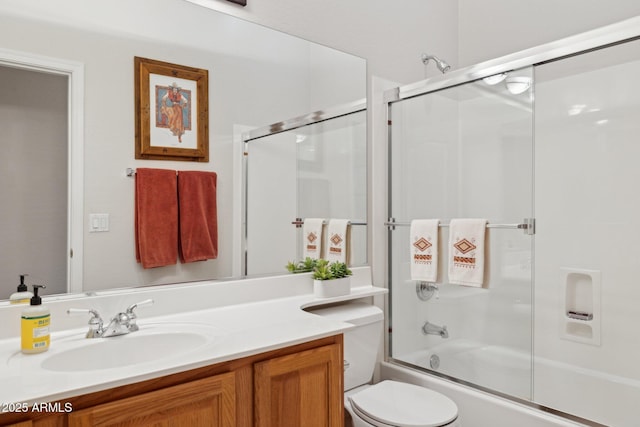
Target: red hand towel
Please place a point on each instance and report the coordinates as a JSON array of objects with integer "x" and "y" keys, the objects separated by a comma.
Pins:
[
  {"x": 156, "y": 217},
  {"x": 198, "y": 215}
]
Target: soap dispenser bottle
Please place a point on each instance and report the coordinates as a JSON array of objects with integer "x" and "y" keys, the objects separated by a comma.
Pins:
[
  {"x": 35, "y": 325},
  {"x": 22, "y": 295}
]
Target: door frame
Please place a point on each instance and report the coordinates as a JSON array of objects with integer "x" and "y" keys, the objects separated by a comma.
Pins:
[{"x": 74, "y": 71}]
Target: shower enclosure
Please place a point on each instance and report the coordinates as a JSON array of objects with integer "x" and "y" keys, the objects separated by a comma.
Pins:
[
  {"x": 307, "y": 167},
  {"x": 544, "y": 145}
]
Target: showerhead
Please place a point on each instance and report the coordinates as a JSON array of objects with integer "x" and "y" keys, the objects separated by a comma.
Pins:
[{"x": 442, "y": 65}]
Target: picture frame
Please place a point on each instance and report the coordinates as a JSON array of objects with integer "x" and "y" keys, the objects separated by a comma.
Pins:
[{"x": 171, "y": 111}]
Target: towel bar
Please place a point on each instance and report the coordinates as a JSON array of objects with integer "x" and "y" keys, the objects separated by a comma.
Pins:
[
  {"x": 299, "y": 222},
  {"x": 528, "y": 225}
]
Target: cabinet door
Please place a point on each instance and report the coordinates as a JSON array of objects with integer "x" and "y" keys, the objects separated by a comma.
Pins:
[
  {"x": 300, "y": 389},
  {"x": 207, "y": 402}
]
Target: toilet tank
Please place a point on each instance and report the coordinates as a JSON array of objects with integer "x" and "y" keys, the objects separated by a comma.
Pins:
[{"x": 361, "y": 343}]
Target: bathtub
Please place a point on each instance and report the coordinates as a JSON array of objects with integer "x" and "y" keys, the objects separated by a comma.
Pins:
[
  {"x": 498, "y": 368},
  {"x": 565, "y": 394}
]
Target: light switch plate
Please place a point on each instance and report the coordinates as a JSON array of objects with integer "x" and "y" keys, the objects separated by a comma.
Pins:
[{"x": 98, "y": 222}]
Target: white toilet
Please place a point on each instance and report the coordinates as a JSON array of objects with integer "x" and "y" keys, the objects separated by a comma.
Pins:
[{"x": 387, "y": 403}]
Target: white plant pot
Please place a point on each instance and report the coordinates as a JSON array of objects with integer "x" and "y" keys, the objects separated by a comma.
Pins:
[{"x": 332, "y": 288}]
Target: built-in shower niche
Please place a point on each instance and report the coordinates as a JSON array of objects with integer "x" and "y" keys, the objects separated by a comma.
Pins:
[{"x": 580, "y": 317}]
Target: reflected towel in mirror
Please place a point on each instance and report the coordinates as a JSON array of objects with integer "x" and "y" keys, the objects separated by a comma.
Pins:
[
  {"x": 198, "y": 216},
  {"x": 156, "y": 217},
  {"x": 312, "y": 238},
  {"x": 338, "y": 237}
]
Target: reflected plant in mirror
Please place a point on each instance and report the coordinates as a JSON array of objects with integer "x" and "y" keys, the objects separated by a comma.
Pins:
[
  {"x": 275, "y": 82},
  {"x": 305, "y": 266}
]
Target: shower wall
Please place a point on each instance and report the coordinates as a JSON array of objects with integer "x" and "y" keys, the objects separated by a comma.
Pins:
[
  {"x": 587, "y": 150},
  {"x": 556, "y": 321}
]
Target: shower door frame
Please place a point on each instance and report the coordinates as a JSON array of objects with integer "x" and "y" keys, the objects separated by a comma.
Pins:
[{"x": 600, "y": 38}]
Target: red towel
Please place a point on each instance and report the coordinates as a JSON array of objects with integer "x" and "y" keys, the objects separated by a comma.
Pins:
[
  {"x": 156, "y": 217},
  {"x": 198, "y": 215}
]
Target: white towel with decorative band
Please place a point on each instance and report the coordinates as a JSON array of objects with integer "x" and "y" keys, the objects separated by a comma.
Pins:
[
  {"x": 338, "y": 246},
  {"x": 312, "y": 238},
  {"x": 424, "y": 250},
  {"x": 467, "y": 251}
]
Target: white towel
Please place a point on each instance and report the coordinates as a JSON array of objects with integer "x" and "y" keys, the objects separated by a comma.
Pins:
[
  {"x": 424, "y": 250},
  {"x": 312, "y": 238},
  {"x": 338, "y": 245},
  {"x": 467, "y": 251}
]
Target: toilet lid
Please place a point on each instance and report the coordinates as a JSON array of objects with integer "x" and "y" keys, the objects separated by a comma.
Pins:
[{"x": 405, "y": 405}]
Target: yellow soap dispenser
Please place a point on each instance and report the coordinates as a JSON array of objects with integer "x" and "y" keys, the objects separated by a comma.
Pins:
[
  {"x": 35, "y": 325},
  {"x": 22, "y": 296}
]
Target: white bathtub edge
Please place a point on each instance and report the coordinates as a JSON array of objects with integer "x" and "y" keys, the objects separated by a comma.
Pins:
[{"x": 477, "y": 408}]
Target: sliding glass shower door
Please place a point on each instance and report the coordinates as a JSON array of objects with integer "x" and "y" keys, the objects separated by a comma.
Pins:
[{"x": 466, "y": 152}]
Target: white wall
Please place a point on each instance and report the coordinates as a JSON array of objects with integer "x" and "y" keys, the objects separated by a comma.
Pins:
[
  {"x": 492, "y": 28},
  {"x": 391, "y": 36},
  {"x": 463, "y": 32}
]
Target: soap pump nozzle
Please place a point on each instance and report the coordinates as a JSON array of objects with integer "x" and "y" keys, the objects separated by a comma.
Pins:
[
  {"x": 35, "y": 299},
  {"x": 22, "y": 287}
]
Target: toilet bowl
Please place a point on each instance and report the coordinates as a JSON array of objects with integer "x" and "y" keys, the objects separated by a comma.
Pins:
[
  {"x": 396, "y": 404},
  {"x": 387, "y": 403}
]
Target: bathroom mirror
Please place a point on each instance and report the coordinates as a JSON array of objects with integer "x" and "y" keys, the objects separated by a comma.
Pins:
[{"x": 257, "y": 76}]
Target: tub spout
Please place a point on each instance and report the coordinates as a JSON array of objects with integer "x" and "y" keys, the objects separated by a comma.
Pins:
[{"x": 431, "y": 329}]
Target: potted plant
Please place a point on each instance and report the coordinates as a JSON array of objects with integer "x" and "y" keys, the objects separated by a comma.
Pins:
[
  {"x": 305, "y": 266},
  {"x": 331, "y": 279}
]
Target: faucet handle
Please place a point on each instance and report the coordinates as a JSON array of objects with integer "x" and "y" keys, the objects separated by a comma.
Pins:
[
  {"x": 132, "y": 316},
  {"x": 95, "y": 322},
  {"x": 444, "y": 333},
  {"x": 139, "y": 304}
]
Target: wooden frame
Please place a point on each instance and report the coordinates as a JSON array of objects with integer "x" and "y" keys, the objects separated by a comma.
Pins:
[{"x": 171, "y": 111}]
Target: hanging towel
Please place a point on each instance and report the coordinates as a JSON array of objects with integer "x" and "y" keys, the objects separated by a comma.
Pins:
[
  {"x": 312, "y": 238},
  {"x": 467, "y": 251},
  {"x": 424, "y": 250},
  {"x": 156, "y": 217},
  {"x": 198, "y": 215},
  {"x": 338, "y": 245}
]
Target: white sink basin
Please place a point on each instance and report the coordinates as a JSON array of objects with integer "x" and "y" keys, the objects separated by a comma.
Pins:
[
  {"x": 153, "y": 342},
  {"x": 124, "y": 350}
]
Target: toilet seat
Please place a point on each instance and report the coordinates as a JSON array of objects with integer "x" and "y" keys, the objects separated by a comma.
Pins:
[{"x": 392, "y": 403}]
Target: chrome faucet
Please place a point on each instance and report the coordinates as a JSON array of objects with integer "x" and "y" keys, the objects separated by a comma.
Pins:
[
  {"x": 431, "y": 329},
  {"x": 121, "y": 324}
]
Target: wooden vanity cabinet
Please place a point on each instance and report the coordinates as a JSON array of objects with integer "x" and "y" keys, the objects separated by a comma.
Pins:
[
  {"x": 210, "y": 401},
  {"x": 300, "y": 389},
  {"x": 296, "y": 386}
]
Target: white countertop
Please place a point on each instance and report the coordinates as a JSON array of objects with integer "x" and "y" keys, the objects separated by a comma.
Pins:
[{"x": 239, "y": 330}]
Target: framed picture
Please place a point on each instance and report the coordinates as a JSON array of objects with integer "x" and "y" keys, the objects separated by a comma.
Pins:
[{"x": 172, "y": 111}]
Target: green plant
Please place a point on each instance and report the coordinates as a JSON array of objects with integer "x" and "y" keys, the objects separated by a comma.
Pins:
[
  {"x": 302, "y": 266},
  {"x": 325, "y": 270}
]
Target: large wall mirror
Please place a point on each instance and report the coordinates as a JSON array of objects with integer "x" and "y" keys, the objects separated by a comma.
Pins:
[{"x": 257, "y": 76}]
